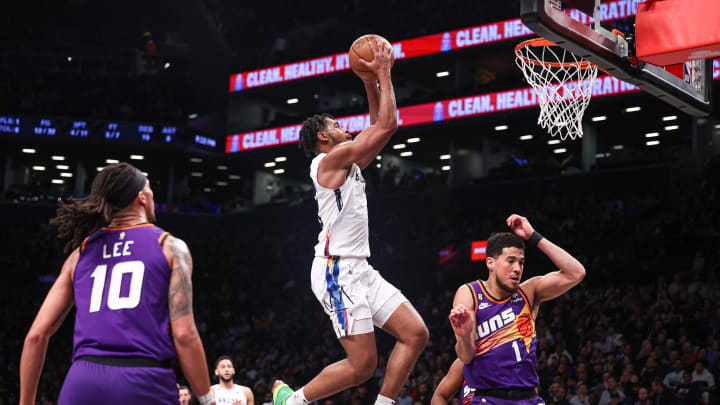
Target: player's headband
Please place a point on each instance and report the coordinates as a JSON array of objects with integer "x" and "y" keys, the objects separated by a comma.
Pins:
[{"x": 123, "y": 197}]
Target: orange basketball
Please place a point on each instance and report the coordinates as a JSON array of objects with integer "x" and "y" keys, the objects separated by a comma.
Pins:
[
  {"x": 361, "y": 50},
  {"x": 525, "y": 325}
]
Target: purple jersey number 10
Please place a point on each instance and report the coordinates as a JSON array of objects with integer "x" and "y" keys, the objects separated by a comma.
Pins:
[{"x": 135, "y": 268}]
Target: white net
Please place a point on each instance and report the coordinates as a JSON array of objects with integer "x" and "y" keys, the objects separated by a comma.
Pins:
[{"x": 563, "y": 84}]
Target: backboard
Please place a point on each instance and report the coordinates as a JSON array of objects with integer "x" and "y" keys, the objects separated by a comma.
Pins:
[{"x": 614, "y": 53}]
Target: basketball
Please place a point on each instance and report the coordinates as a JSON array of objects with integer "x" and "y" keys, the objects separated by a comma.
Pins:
[
  {"x": 525, "y": 325},
  {"x": 361, "y": 49}
]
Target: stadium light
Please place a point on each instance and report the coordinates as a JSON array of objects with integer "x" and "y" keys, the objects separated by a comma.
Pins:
[
  {"x": 445, "y": 168},
  {"x": 442, "y": 74},
  {"x": 618, "y": 147},
  {"x": 137, "y": 157},
  {"x": 292, "y": 101},
  {"x": 62, "y": 167},
  {"x": 57, "y": 157},
  {"x": 652, "y": 134},
  {"x": 39, "y": 168},
  {"x": 671, "y": 127},
  {"x": 379, "y": 165},
  {"x": 111, "y": 161},
  {"x": 280, "y": 159},
  {"x": 57, "y": 181},
  {"x": 222, "y": 167},
  {"x": 278, "y": 171},
  {"x": 196, "y": 174},
  {"x": 29, "y": 150},
  {"x": 399, "y": 146},
  {"x": 234, "y": 177},
  {"x": 599, "y": 118},
  {"x": 221, "y": 183},
  {"x": 632, "y": 109},
  {"x": 553, "y": 141},
  {"x": 413, "y": 140},
  {"x": 378, "y": 157},
  {"x": 65, "y": 174},
  {"x": 445, "y": 157},
  {"x": 652, "y": 143},
  {"x": 195, "y": 160},
  {"x": 406, "y": 153},
  {"x": 270, "y": 164},
  {"x": 669, "y": 118},
  {"x": 559, "y": 150},
  {"x": 501, "y": 127},
  {"x": 526, "y": 137}
]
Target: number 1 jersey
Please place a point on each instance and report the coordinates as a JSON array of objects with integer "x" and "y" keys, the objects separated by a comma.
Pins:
[
  {"x": 121, "y": 285},
  {"x": 505, "y": 344}
]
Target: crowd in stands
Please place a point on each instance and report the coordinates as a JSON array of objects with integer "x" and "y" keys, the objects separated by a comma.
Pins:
[
  {"x": 99, "y": 95},
  {"x": 297, "y": 36},
  {"x": 85, "y": 60},
  {"x": 642, "y": 328}
]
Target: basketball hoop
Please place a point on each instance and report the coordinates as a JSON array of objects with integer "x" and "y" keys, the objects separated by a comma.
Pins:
[{"x": 563, "y": 84}]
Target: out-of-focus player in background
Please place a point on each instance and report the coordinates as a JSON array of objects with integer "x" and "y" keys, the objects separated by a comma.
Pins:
[
  {"x": 184, "y": 395},
  {"x": 353, "y": 293},
  {"x": 131, "y": 284},
  {"x": 494, "y": 321},
  {"x": 226, "y": 391}
]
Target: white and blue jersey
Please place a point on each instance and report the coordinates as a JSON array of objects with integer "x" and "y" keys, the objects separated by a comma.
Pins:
[{"x": 343, "y": 215}]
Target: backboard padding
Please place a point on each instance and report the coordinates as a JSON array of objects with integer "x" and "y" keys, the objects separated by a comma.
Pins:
[{"x": 612, "y": 55}]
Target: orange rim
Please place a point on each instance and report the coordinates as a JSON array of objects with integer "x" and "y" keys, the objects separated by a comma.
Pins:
[{"x": 538, "y": 42}]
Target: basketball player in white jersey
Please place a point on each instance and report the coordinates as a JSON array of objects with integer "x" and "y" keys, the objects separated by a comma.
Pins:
[
  {"x": 226, "y": 391},
  {"x": 354, "y": 295}
]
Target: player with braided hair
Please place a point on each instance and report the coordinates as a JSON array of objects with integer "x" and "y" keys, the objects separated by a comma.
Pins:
[
  {"x": 80, "y": 217},
  {"x": 131, "y": 284}
]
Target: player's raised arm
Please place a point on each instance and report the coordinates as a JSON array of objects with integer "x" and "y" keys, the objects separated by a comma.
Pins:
[
  {"x": 372, "y": 139},
  {"x": 570, "y": 271},
  {"x": 449, "y": 385},
  {"x": 188, "y": 345},
  {"x": 53, "y": 311},
  {"x": 462, "y": 321},
  {"x": 373, "y": 96}
]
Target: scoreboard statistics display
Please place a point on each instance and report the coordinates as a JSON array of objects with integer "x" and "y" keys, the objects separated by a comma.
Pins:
[{"x": 90, "y": 129}]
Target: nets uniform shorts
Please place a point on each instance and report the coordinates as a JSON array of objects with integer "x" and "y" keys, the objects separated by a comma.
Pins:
[
  {"x": 89, "y": 383},
  {"x": 354, "y": 295}
]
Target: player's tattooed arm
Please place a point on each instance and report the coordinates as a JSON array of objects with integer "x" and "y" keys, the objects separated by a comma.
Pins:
[
  {"x": 188, "y": 345},
  {"x": 180, "y": 291}
]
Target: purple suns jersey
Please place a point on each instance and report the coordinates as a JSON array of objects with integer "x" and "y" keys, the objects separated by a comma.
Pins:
[
  {"x": 121, "y": 294},
  {"x": 505, "y": 344}
]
